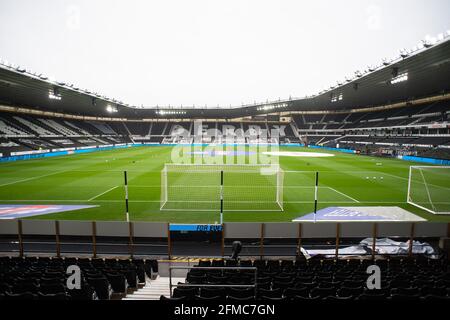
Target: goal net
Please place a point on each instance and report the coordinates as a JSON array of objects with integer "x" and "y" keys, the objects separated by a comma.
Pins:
[
  {"x": 193, "y": 187},
  {"x": 429, "y": 188}
]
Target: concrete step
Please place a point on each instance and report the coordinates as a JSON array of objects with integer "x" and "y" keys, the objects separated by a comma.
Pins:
[{"x": 154, "y": 289}]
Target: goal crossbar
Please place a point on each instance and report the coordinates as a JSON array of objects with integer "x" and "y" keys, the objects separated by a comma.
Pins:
[{"x": 231, "y": 187}]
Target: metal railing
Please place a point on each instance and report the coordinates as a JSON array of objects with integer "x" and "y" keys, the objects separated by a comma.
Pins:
[{"x": 189, "y": 285}]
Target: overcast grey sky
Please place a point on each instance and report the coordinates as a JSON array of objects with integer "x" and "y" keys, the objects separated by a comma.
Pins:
[{"x": 179, "y": 52}]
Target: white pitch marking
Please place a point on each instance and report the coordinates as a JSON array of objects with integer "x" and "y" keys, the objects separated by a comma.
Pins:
[
  {"x": 345, "y": 195},
  {"x": 158, "y": 201},
  {"x": 99, "y": 195},
  {"x": 32, "y": 178}
]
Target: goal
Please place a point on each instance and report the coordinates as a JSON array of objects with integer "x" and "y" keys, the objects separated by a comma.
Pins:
[
  {"x": 429, "y": 188},
  {"x": 192, "y": 187}
]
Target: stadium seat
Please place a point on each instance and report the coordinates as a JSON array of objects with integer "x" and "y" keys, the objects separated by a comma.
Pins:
[
  {"x": 213, "y": 292},
  {"x": 431, "y": 297},
  {"x": 322, "y": 292},
  {"x": 241, "y": 293},
  {"x": 24, "y": 287},
  {"x": 187, "y": 292},
  {"x": 300, "y": 292},
  {"x": 20, "y": 296},
  {"x": 405, "y": 297},
  {"x": 101, "y": 287},
  {"x": 338, "y": 299},
  {"x": 277, "y": 299},
  {"x": 372, "y": 297},
  {"x": 208, "y": 299},
  {"x": 282, "y": 285},
  {"x": 164, "y": 298},
  {"x": 305, "y": 298},
  {"x": 55, "y": 296},
  {"x": 275, "y": 293},
  {"x": 349, "y": 292},
  {"x": 193, "y": 279},
  {"x": 51, "y": 289},
  {"x": 240, "y": 299},
  {"x": 85, "y": 293}
]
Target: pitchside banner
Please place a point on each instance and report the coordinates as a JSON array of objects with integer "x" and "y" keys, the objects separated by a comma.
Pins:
[
  {"x": 24, "y": 211},
  {"x": 361, "y": 214}
]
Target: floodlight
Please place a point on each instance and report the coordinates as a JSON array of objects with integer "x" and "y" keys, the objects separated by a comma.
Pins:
[{"x": 111, "y": 109}]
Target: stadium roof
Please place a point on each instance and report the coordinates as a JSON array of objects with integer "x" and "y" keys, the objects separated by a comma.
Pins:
[{"x": 424, "y": 72}]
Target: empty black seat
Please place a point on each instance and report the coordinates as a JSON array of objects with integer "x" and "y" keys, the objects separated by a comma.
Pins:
[
  {"x": 350, "y": 292},
  {"x": 187, "y": 292},
  {"x": 213, "y": 292},
  {"x": 24, "y": 287},
  {"x": 275, "y": 293},
  {"x": 217, "y": 263},
  {"x": 52, "y": 289},
  {"x": 405, "y": 297},
  {"x": 240, "y": 299},
  {"x": 20, "y": 296},
  {"x": 322, "y": 292},
  {"x": 204, "y": 263},
  {"x": 241, "y": 293},
  {"x": 280, "y": 299},
  {"x": 84, "y": 293},
  {"x": 370, "y": 297},
  {"x": 101, "y": 286},
  {"x": 55, "y": 296},
  {"x": 164, "y": 298},
  {"x": 206, "y": 299},
  {"x": 292, "y": 292}
]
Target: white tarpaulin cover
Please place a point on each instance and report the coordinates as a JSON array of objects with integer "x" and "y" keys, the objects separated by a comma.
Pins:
[{"x": 383, "y": 246}]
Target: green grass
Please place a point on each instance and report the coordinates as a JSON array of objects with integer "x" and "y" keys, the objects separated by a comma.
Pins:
[{"x": 97, "y": 179}]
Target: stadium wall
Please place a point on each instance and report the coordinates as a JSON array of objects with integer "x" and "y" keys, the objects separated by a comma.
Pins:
[
  {"x": 426, "y": 160},
  {"x": 71, "y": 151},
  {"x": 154, "y": 239}
]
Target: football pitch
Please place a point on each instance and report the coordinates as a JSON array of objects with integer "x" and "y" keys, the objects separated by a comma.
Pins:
[{"x": 97, "y": 179}]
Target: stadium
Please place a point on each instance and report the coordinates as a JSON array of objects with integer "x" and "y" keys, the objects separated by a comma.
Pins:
[{"x": 288, "y": 200}]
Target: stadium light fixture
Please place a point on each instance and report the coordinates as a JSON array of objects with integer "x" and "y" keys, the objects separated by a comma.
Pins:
[
  {"x": 54, "y": 94},
  {"x": 272, "y": 106},
  {"x": 399, "y": 78},
  {"x": 170, "y": 112},
  {"x": 111, "y": 109}
]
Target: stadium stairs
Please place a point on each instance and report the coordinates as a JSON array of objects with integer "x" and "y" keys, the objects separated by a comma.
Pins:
[{"x": 153, "y": 289}]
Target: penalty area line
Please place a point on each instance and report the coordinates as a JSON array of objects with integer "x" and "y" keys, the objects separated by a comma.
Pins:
[
  {"x": 345, "y": 195},
  {"x": 103, "y": 193}
]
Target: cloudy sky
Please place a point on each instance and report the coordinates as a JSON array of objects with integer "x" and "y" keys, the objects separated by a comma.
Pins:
[{"x": 207, "y": 52}]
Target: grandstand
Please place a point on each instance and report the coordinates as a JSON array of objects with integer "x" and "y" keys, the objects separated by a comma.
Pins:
[{"x": 318, "y": 190}]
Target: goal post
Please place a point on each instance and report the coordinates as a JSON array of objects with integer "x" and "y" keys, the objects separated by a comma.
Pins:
[
  {"x": 429, "y": 188},
  {"x": 246, "y": 187}
]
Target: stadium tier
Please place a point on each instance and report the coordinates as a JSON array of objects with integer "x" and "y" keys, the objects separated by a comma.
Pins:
[{"x": 422, "y": 129}]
